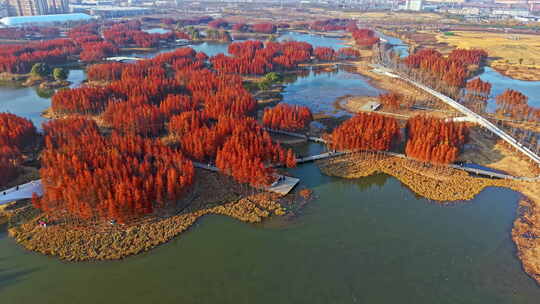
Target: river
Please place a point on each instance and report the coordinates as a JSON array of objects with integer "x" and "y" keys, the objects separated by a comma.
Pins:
[{"x": 368, "y": 240}]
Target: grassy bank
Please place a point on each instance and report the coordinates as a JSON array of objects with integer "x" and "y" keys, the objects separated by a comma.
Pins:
[{"x": 212, "y": 194}]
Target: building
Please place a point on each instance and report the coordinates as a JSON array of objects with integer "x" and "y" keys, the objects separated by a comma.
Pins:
[
  {"x": 27, "y": 7},
  {"x": 414, "y": 5},
  {"x": 57, "y": 7},
  {"x": 37, "y": 7},
  {"x": 43, "y": 19},
  {"x": 3, "y": 10},
  {"x": 110, "y": 11}
]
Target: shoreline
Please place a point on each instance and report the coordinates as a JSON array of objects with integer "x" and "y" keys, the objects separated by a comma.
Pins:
[{"x": 107, "y": 242}]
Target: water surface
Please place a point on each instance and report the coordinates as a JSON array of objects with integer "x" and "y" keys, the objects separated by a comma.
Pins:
[
  {"x": 362, "y": 241},
  {"x": 319, "y": 91},
  {"x": 501, "y": 82},
  {"x": 314, "y": 40},
  {"x": 30, "y": 102}
]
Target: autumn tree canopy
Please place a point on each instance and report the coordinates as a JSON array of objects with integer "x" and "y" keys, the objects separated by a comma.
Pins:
[
  {"x": 365, "y": 132},
  {"x": 435, "y": 140}
]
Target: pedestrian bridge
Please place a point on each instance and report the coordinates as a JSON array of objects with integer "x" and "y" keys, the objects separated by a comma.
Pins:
[{"x": 123, "y": 58}]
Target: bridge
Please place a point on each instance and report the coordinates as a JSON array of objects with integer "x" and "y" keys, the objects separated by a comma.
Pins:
[
  {"x": 21, "y": 192},
  {"x": 319, "y": 157},
  {"x": 123, "y": 58},
  {"x": 469, "y": 113},
  {"x": 298, "y": 135}
]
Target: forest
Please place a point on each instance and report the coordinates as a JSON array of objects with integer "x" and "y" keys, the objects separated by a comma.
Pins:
[
  {"x": 255, "y": 58},
  {"x": 84, "y": 42},
  {"x": 116, "y": 177},
  {"x": 128, "y": 172}
]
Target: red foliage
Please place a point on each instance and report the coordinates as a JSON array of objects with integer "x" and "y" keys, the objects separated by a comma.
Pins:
[
  {"x": 365, "y": 37},
  {"x": 478, "y": 86},
  {"x": 245, "y": 155},
  {"x": 467, "y": 57},
  {"x": 330, "y": 25},
  {"x": 16, "y": 133},
  {"x": 266, "y": 28},
  {"x": 199, "y": 107},
  {"x": 324, "y": 53},
  {"x": 19, "y": 58},
  {"x": 391, "y": 101},
  {"x": 96, "y": 51},
  {"x": 186, "y": 122},
  {"x": 135, "y": 116},
  {"x": 515, "y": 104},
  {"x": 347, "y": 53},
  {"x": 114, "y": 177},
  {"x": 287, "y": 117},
  {"x": 434, "y": 140},
  {"x": 365, "y": 132},
  {"x": 239, "y": 27},
  {"x": 85, "y": 100},
  {"x": 451, "y": 71},
  {"x": 218, "y": 23},
  {"x": 252, "y": 57},
  {"x": 105, "y": 71}
]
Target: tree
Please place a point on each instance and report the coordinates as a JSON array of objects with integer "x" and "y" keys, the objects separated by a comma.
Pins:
[
  {"x": 60, "y": 74},
  {"x": 40, "y": 69},
  {"x": 273, "y": 77},
  {"x": 435, "y": 140},
  {"x": 365, "y": 132}
]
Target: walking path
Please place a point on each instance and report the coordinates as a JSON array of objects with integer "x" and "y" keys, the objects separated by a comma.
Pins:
[
  {"x": 21, "y": 192},
  {"x": 472, "y": 115}
]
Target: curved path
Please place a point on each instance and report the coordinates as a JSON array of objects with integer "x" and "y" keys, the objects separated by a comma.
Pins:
[{"x": 472, "y": 115}]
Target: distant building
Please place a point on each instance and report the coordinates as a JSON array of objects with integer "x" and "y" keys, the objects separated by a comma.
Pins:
[
  {"x": 414, "y": 5},
  {"x": 3, "y": 10},
  {"x": 110, "y": 10},
  {"x": 57, "y": 6},
  {"x": 510, "y": 12},
  {"x": 43, "y": 19},
  {"x": 27, "y": 7},
  {"x": 36, "y": 7}
]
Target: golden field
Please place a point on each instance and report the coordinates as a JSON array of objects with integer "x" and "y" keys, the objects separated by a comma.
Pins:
[{"x": 517, "y": 56}]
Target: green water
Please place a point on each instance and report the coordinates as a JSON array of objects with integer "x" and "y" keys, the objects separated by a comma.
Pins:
[{"x": 361, "y": 241}]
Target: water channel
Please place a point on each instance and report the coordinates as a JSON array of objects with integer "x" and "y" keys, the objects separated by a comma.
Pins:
[{"x": 368, "y": 240}]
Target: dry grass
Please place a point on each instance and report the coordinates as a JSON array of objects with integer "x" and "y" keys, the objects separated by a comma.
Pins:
[
  {"x": 489, "y": 151},
  {"x": 515, "y": 55},
  {"x": 394, "y": 16}
]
